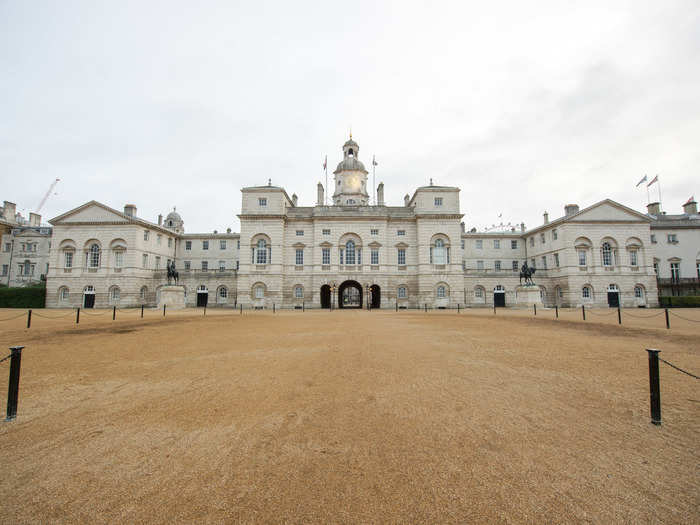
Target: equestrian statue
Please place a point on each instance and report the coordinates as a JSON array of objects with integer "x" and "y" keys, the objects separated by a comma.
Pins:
[
  {"x": 527, "y": 272},
  {"x": 172, "y": 272}
]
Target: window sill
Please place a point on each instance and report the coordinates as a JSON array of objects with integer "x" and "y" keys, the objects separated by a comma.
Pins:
[
  {"x": 402, "y": 266},
  {"x": 374, "y": 267},
  {"x": 299, "y": 267},
  {"x": 117, "y": 270},
  {"x": 261, "y": 266},
  {"x": 67, "y": 270},
  {"x": 325, "y": 267},
  {"x": 92, "y": 270},
  {"x": 439, "y": 266}
]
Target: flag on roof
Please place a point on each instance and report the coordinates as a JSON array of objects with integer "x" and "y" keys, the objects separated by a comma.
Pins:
[
  {"x": 644, "y": 179},
  {"x": 655, "y": 179},
  {"x": 374, "y": 162},
  {"x": 691, "y": 199},
  {"x": 325, "y": 162}
]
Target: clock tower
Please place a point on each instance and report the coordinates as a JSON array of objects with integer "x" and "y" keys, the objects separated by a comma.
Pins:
[{"x": 350, "y": 178}]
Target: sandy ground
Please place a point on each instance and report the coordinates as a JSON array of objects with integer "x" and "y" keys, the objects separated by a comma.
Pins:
[{"x": 350, "y": 417}]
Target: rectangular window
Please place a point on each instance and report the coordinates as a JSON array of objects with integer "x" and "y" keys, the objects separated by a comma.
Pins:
[
  {"x": 8, "y": 246},
  {"x": 532, "y": 241},
  {"x": 515, "y": 266},
  {"x": 325, "y": 256},
  {"x": 555, "y": 236},
  {"x": 205, "y": 245},
  {"x": 582, "y": 257},
  {"x": 222, "y": 244},
  {"x": 69, "y": 259},
  {"x": 188, "y": 245},
  {"x": 326, "y": 232},
  {"x": 402, "y": 256},
  {"x": 556, "y": 260},
  {"x": 400, "y": 232},
  {"x": 479, "y": 244},
  {"x": 237, "y": 264},
  {"x": 145, "y": 235},
  {"x": 238, "y": 245},
  {"x": 205, "y": 266},
  {"x": 299, "y": 259},
  {"x": 496, "y": 244},
  {"x": 144, "y": 260},
  {"x": 170, "y": 242},
  {"x": 497, "y": 266},
  {"x": 544, "y": 262},
  {"x": 656, "y": 268},
  {"x": 402, "y": 292},
  {"x": 188, "y": 265},
  {"x": 374, "y": 257},
  {"x": 438, "y": 201},
  {"x": 653, "y": 239},
  {"x": 118, "y": 259},
  {"x": 542, "y": 238},
  {"x": 675, "y": 271},
  {"x": 300, "y": 233},
  {"x": 461, "y": 243},
  {"x": 513, "y": 244},
  {"x": 222, "y": 266},
  {"x": 157, "y": 262},
  {"x": 4, "y": 269},
  {"x": 697, "y": 268},
  {"x": 633, "y": 258},
  {"x": 480, "y": 265},
  {"x": 374, "y": 231},
  {"x": 159, "y": 239},
  {"x": 341, "y": 255},
  {"x": 672, "y": 239},
  {"x": 262, "y": 201}
]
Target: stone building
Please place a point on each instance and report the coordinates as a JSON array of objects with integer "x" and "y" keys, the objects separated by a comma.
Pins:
[
  {"x": 359, "y": 251},
  {"x": 24, "y": 247}
]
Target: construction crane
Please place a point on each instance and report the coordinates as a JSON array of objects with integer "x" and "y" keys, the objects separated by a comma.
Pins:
[{"x": 46, "y": 197}]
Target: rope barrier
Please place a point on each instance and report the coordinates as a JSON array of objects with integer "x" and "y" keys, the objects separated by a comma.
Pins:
[
  {"x": 644, "y": 316},
  {"x": 23, "y": 314},
  {"x": 34, "y": 312},
  {"x": 95, "y": 315},
  {"x": 669, "y": 364},
  {"x": 684, "y": 318},
  {"x": 600, "y": 315},
  {"x": 5, "y": 358}
]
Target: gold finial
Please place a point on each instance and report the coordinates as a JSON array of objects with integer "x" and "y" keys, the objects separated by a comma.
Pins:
[{"x": 350, "y": 132}]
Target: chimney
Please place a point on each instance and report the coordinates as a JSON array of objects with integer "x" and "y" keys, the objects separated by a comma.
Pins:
[
  {"x": 546, "y": 217},
  {"x": 160, "y": 219},
  {"x": 130, "y": 210},
  {"x": 522, "y": 226},
  {"x": 654, "y": 208},
  {"x": 690, "y": 207},
  {"x": 294, "y": 199},
  {"x": 380, "y": 194},
  {"x": 463, "y": 226},
  {"x": 9, "y": 211},
  {"x": 34, "y": 219},
  {"x": 406, "y": 200},
  {"x": 319, "y": 194},
  {"x": 570, "y": 209}
]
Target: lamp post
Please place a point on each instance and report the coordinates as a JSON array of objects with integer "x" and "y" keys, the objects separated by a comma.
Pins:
[{"x": 332, "y": 294}]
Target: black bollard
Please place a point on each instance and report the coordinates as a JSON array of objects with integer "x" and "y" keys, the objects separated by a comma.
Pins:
[
  {"x": 241, "y": 308},
  {"x": 457, "y": 307},
  {"x": 29, "y": 318},
  {"x": 114, "y": 313},
  {"x": 426, "y": 307},
  {"x": 534, "y": 306},
  {"x": 77, "y": 316},
  {"x": 397, "y": 306},
  {"x": 141, "y": 311},
  {"x": 273, "y": 308},
  {"x": 654, "y": 390},
  {"x": 556, "y": 310},
  {"x": 205, "y": 309},
  {"x": 163, "y": 310},
  {"x": 303, "y": 306},
  {"x": 13, "y": 389},
  {"x": 583, "y": 311},
  {"x": 494, "y": 309},
  {"x": 668, "y": 325}
]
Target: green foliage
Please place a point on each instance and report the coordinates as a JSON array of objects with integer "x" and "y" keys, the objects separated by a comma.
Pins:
[
  {"x": 680, "y": 301},
  {"x": 25, "y": 297}
]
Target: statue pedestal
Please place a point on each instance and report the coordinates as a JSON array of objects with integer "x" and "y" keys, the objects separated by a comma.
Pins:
[
  {"x": 528, "y": 295},
  {"x": 171, "y": 295}
]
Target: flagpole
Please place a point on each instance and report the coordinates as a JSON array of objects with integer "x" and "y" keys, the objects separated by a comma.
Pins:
[
  {"x": 374, "y": 181},
  {"x": 325, "y": 168},
  {"x": 658, "y": 181},
  {"x": 648, "y": 197}
]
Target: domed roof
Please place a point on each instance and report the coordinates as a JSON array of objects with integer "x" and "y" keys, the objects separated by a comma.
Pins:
[
  {"x": 173, "y": 216},
  {"x": 351, "y": 144},
  {"x": 350, "y": 163}
]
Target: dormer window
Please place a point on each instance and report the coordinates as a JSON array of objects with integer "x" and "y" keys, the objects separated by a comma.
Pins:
[
  {"x": 262, "y": 201},
  {"x": 438, "y": 201}
]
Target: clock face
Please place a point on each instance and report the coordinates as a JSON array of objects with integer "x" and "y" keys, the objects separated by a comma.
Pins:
[{"x": 352, "y": 183}]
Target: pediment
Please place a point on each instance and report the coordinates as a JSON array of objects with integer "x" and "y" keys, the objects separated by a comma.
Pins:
[
  {"x": 92, "y": 211},
  {"x": 608, "y": 210}
]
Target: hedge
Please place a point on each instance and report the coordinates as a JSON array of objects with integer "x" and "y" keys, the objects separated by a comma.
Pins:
[
  {"x": 680, "y": 301},
  {"x": 25, "y": 297}
]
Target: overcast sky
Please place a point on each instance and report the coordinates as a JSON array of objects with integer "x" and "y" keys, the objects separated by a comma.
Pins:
[{"x": 525, "y": 106}]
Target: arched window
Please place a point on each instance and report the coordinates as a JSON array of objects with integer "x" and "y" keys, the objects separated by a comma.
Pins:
[
  {"x": 586, "y": 292},
  {"x": 114, "y": 294},
  {"x": 441, "y": 292},
  {"x": 94, "y": 256},
  {"x": 144, "y": 291},
  {"x": 439, "y": 252},
  {"x": 639, "y": 292},
  {"x": 223, "y": 292},
  {"x": 261, "y": 249},
  {"x": 479, "y": 292},
  {"x": 259, "y": 292},
  {"x": 63, "y": 294},
  {"x": 68, "y": 258},
  {"x": 350, "y": 252},
  {"x": 607, "y": 254},
  {"x": 298, "y": 292},
  {"x": 402, "y": 292}
]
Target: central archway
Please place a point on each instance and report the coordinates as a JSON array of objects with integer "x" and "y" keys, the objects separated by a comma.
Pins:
[{"x": 350, "y": 295}]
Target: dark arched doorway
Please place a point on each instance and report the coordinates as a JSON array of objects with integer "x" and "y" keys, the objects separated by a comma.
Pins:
[
  {"x": 350, "y": 295},
  {"x": 325, "y": 296},
  {"x": 375, "y": 295}
]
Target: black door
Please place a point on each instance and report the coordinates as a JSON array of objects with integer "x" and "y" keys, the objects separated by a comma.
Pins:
[
  {"x": 89, "y": 300},
  {"x": 613, "y": 299},
  {"x": 325, "y": 296},
  {"x": 375, "y": 292},
  {"x": 202, "y": 298},
  {"x": 499, "y": 299}
]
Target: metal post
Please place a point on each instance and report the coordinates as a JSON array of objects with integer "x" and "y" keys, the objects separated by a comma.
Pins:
[
  {"x": 141, "y": 311},
  {"x": 397, "y": 306},
  {"x": 163, "y": 310},
  {"x": 114, "y": 313},
  {"x": 273, "y": 308},
  {"x": 668, "y": 325},
  {"x": 556, "y": 310},
  {"x": 619, "y": 315},
  {"x": 654, "y": 390},
  {"x": 426, "y": 307},
  {"x": 77, "y": 316},
  {"x": 494, "y": 308},
  {"x": 13, "y": 388},
  {"x": 303, "y": 306},
  {"x": 583, "y": 311},
  {"x": 29, "y": 318},
  {"x": 534, "y": 306},
  {"x": 205, "y": 309},
  {"x": 241, "y": 308},
  {"x": 457, "y": 307}
]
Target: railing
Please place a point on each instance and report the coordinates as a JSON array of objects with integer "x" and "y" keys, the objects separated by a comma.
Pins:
[{"x": 679, "y": 281}]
